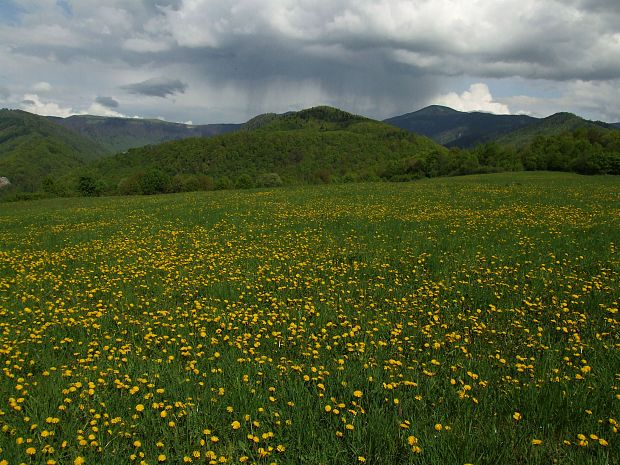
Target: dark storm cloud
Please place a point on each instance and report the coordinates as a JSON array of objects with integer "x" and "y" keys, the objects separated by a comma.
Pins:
[
  {"x": 157, "y": 87},
  {"x": 107, "y": 102}
]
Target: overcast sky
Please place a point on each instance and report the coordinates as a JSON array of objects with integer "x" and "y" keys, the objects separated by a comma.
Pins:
[{"x": 210, "y": 61}]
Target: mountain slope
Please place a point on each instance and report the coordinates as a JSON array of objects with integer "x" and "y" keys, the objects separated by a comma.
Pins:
[
  {"x": 120, "y": 134},
  {"x": 308, "y": 146},
  {"x": 616, "y": 125},
  {"x": 550, "y": 126},
  {"x": 33, "y": 148},
  {"x": 458, "y": 129}
]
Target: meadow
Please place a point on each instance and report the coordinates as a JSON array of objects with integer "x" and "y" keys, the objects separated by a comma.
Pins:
[{"x": 445, "y": 321}]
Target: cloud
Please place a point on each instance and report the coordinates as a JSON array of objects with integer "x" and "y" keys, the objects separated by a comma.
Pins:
[
  {"x": 33, "y": 104},
  {"x": 239, "y": 57},
  {"x": 42, "y": 87},
  {"x": 157, "y": 87},
  {"x": 593, "y": 100},
  {"x": 4, "y": 93},
  {"x": 477, "y": 98},
  {"x": 107, "y": 102},
  {"x": 98, "y": 109}
]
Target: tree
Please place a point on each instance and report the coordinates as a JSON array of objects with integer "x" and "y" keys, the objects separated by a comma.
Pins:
[
  {"x": 154, "y": 182},
  {"x": 89, "y": 186}
]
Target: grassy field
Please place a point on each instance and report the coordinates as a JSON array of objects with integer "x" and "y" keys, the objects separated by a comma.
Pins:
[{"x": 449, "y": 321}]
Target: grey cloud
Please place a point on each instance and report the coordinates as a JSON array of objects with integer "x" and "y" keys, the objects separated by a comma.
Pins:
[
  {"x": 28, "y": 102},
  {"x": 107, "y": 102},
  {"x": 4, "y": 93},
  {"x": 157, "y": 87},
  {"x": 373, "y": 56}
]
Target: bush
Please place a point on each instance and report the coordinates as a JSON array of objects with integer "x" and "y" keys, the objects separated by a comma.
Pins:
[
  {"x": 89, "y": 186},
  {"x": 154, "y": 182},
  {"x": 269, "y": 180},
  {"x": 244, "y": 182}
]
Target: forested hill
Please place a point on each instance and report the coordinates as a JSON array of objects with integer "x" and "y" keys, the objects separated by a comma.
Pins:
[
  {"x": 120, "y": 134},
  {"x": 315, "y": 145},
  {"x": 553, "y": 125},
  {"x": 32, "y": 148},
  {"x": 454, "y": 128}
]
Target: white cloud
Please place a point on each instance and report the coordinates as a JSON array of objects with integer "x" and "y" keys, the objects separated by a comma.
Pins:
[
  {"x": 33, "y": 104},
  {"x": 42, "y": 87},
  {"x": 100, "y": 110},
  {"x": 592, "y": 100},
  {"x": 477, "y": 98}
]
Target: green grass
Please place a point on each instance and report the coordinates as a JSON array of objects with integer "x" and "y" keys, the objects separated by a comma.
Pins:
[{"x": 455, "y": 302}]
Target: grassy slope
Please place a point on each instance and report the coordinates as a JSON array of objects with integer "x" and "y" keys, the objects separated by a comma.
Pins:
[
  {"x": 121, "y": 134},
  {"x": 295, "y": 146},
  {"x": 31, "y": 148},
  {"x": 489, "y": 295}
]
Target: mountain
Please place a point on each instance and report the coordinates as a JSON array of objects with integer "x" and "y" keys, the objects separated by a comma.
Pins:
[
  {"x": 312, "y": 145},
  {"x": 550, "y": 126},
  {"x": 121, "y": 134},
  {"x": 454, "y": 128},
  {"x": 616, "y": 125},
  {"x": 32, "y": 148}
]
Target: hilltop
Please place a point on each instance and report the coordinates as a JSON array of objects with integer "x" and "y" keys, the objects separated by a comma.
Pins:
[
  {"x": 454, "y": 128},
  {"x": 313, "y": 145},
  {"x": 551, "y": 126},
  {"x": 33, "y": 148}
]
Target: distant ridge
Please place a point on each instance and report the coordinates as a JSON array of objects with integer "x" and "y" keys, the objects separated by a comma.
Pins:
[
  {"x": 454, "y": 128},
  {"x": 550, "y": 126},
  {"x": 121, "y": 134},
  {"x": 616, "y": 125}
]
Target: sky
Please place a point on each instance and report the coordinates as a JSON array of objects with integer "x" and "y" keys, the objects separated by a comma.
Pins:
[{"x": 225, "y": 61}]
